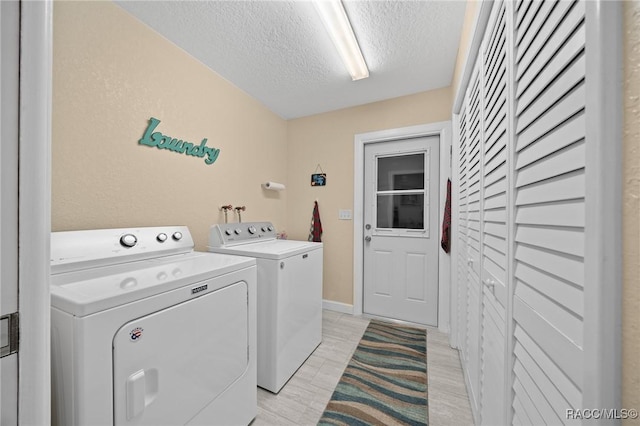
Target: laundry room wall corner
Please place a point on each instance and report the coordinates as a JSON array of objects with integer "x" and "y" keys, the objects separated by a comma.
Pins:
[{"x": 111, "y": 75}]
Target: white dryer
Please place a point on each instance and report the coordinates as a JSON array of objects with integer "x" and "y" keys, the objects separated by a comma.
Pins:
[
  {"x": 289, "y": 295},
  {"x": 145, "y": 331}
]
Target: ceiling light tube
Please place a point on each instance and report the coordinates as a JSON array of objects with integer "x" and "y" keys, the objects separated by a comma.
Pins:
[{"x": 337, "y": 24}]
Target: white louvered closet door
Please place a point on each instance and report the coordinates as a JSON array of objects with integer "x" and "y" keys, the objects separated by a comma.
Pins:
[
  {"x": 549, "y": 224},
  {"x": 527, "y": 218},
  {"x": 495, "y": 181},
  {"x": 474, "y": 289},
  {"x": 461, "y": 241}
]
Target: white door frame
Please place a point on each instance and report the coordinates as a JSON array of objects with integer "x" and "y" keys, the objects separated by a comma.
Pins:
[
  {"x": 441, "y": 129},
  {"x": 36, "y": 50}
]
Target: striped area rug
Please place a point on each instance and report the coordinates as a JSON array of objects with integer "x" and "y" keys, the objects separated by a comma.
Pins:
[{"x": 385, "y": 383}]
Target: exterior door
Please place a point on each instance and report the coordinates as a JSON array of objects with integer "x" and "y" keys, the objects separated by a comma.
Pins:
[
  {"x": 401, "y": 230},
  {"x": 9, "y": 42}
]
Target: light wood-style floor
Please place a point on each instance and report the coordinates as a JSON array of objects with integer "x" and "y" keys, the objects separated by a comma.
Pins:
[{"x": 302, "y": 400}]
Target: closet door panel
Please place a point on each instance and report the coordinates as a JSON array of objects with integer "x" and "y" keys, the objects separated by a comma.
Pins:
[
  {"x": 549, "y": 213},
  {"x": 462, "y": 261},
  {"x": 494, "y": 216},
  {"x": 528, "y": 163},
  {"x": 474, "y": 324}
]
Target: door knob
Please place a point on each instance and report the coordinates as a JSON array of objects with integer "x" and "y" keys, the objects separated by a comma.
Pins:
[
  {"x": 491, "y": 284},
  {"x": 367, "y": 238}
]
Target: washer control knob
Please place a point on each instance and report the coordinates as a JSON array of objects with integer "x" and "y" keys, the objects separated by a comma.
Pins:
[
  {"x": 264, "y": 229},
  {"x": 238, "y": 231},
  {"x": 177, "y": 236},
  {"x": 162, "y": 237},
  {"x": 270, "y": 228},
  {"x": 252, "y": 230},
  {"x": 128, "y": 240},
  {"x": 228, "y": 232}
]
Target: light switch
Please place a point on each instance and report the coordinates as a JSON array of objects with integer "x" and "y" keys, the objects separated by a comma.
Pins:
[{"x": 344, "y": 214}]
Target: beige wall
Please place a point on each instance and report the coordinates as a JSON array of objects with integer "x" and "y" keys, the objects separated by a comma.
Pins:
[
  {"x": 468, "y": 25},
  {"x": 631, "y": 211},
  {"x": 111, "y": 73},
  {"x": 328, "y": 139}
]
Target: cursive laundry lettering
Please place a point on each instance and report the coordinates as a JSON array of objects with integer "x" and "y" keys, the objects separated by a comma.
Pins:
[{"x": 160, "y": 141}]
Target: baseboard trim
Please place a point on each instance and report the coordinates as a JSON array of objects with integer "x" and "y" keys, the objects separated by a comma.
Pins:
[{"x": 330, "y": 305}]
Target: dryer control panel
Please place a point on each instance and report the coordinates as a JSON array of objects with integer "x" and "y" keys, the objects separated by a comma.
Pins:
[
  {"x": 77, "y": 250},
  {"x": 226, "y": 234}
]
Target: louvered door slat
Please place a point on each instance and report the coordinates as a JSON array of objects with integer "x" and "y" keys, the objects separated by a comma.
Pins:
[
  {"x": 571, "y": 131},
  {"x": 493, "y": 112},
  {"x": 565, "y": 354},
  {"x": 492, "y": 162},
  {"x": 553, "y": 398},
  {"x": 494, "y": 257},
  {"x": 568, "y": 54},
  {"x": 565, "y": 187},
  {"x": 530, "y": 411},
  {"x": 495, "y": 174},
  {"x": 496, "y": 187},
  {"x": 565, "y": 213},
  {"x": 525, "y": 18},
  {"x": 545, "y": 45},
  {"x": 561, "y": 291},
  {"x": 563, "y": 320},
  {"x": 571, "y": 104},
  {"x": 496, "y": 135},
  {"x": 549, "y": 95},
  {"x": 497, "y": 242},
  {"x": 567, "y": 268},
  {"x": 534, "y": 23},
  {"x": 543, "y": 406},
  {"x": 558, "y": 239},
  {"x": 559, "y": 163},
  {"x": 566, "y": 389}
]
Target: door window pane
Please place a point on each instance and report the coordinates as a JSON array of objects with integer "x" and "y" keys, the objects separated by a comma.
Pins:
[
  {"x": 400, "y": 211},
  {"x": 401, "y": 172}
]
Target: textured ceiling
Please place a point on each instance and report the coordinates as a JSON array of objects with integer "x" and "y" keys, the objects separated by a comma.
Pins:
[{"x": 279, "y": 52}]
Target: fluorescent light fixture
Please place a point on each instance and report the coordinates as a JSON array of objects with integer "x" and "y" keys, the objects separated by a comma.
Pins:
[{"x": 337, "y": 24}]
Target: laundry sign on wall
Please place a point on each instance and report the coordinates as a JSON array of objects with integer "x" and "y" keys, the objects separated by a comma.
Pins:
[{"x": 160, "y": 141}]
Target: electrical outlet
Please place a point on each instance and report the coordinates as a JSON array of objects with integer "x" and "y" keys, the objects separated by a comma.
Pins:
[{"x": 344, "y": 214}]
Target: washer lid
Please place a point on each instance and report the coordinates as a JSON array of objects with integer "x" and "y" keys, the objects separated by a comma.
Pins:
[
  {"x": 89, "y": 291},
  {"x": 270, "y": 249}
]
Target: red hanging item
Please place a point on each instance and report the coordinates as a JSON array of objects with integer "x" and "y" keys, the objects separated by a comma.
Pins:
[
  {"x": 445, "y": 243},
  {"x": 315, "y": 233}
]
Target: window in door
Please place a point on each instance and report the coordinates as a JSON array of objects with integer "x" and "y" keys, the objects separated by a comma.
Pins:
[{"x": 401, "y": 192}]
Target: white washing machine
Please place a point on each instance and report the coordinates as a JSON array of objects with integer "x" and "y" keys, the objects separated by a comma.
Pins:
[
  {"x": 289, "y": 295},
  {"x": 145, "y": 331}
]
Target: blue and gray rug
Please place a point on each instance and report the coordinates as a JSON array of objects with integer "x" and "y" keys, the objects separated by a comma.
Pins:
[{"x": 385, "y": 383}]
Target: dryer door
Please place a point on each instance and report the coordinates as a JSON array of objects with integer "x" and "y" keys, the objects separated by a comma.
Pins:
[{"x": 169, "y": 365}]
